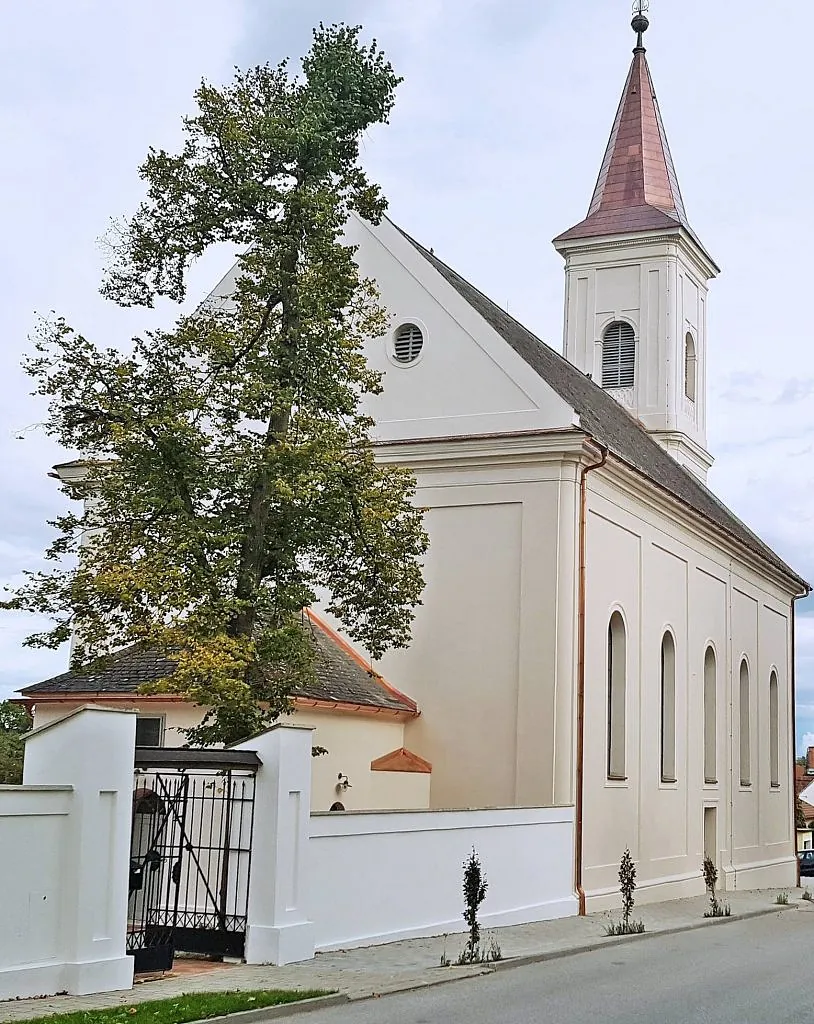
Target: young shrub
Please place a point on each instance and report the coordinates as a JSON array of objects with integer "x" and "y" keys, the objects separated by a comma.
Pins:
[
  {"x": 807, "y": 895},
  {"x": 782, "y": 899},
  {"x": 474, "y": 889},
  {"x": 627, "y": 887},
  {"x": 716, "y": 908}
]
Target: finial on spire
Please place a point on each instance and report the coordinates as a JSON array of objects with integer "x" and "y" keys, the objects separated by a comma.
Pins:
[{"x": 640, "y": 23}]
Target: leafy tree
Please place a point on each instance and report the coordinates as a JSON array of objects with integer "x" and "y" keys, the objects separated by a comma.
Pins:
[
  {"x": 232, "y": 472},
  {"x": 14, "y": 722}
]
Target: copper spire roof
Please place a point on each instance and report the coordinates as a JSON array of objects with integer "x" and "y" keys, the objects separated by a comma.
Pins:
[{"x": 637, "y": 189}]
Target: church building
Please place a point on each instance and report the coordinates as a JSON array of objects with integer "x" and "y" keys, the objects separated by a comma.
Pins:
[{"x": 598, "y": 629}]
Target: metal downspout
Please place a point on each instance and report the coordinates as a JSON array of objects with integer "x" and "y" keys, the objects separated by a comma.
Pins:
[{"x": 583, "y": 506}]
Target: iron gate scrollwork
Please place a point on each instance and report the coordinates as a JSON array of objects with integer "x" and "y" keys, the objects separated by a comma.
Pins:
[{"x": 190, "y": 854}]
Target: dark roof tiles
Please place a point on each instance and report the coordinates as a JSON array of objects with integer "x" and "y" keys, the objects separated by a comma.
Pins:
[
  {"x": 604, "y": 419},
  {"x": 340, "y": 676}
]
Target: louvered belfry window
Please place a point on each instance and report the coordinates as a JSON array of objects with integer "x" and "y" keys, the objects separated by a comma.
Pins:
[
  {"x": 619, "y": 356},
  {"x": 408, "y": 344}
]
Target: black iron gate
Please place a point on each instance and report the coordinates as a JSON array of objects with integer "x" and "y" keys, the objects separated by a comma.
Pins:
[{"x": 190, "y": 854}]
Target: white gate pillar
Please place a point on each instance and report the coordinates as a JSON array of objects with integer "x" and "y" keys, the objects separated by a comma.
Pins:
[
  {"x": 278, "y": 928},
  {"x": 92, "y": 751}
]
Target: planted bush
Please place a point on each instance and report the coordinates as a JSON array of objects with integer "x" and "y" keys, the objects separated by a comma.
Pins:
[
  {"x": 716, "y": 907},
  {"x": 627, "y": 887},
  {"x": 475, "y": 887}
]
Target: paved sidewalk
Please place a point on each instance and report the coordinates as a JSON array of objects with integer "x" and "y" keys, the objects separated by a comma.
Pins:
[{"x": 377, "y": 970}]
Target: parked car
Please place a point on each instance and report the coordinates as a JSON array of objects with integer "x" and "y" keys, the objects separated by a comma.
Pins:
[{"x": 806, "y": 858}]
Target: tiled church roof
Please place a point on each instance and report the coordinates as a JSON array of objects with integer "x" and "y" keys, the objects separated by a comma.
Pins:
[{"x": 604, "y": 419}]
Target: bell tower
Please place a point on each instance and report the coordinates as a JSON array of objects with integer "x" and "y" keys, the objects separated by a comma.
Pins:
[{"x": 637, "y": 278}]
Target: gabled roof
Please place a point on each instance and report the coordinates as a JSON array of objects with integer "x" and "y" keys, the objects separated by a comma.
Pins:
[
  {"x": 401, "y": 760},
  {"x": 605, "y": 420},
  {"x": 637, "y": 189},
  {"x": 341, "y": 676}
]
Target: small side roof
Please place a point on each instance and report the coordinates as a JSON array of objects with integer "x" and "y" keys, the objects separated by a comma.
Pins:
[{"x": 341, "y": 677}]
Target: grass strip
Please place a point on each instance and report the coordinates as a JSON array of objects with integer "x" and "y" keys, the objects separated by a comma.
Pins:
[{"x": 180, "y": 1009}]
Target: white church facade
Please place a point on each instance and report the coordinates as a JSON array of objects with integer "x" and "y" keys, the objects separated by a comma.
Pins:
[{"x": 598, "y": 630}]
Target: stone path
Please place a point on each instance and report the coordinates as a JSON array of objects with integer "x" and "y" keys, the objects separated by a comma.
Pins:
[{"x": 377, "y": 970}]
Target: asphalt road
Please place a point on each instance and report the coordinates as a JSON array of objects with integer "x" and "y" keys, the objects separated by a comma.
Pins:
[{"x": 748, "y": 972}]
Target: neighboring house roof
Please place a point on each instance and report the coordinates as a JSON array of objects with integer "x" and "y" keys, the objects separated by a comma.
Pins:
[
  {"x": 341, "y": 676},
  {"x": 604, "y": 419}
]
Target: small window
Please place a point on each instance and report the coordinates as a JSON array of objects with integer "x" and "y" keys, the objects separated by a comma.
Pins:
[
  {"x": 668, "y": 708},
  {"x": 774, "y": 731},
  {"x": 745, "y": 719},
  {"x": 408, "y": 343},
  {"x": 710, "y": 717},
  {"x": 690, "y": 367},
  {"x": 617, "y": 671},
  {"x": 619, "y": 356},
  {"x": 149, "y": 731}
]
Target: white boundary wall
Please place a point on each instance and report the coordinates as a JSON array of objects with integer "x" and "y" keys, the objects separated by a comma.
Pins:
[
  {"x": 379, "y": 877},
  {"x": 330, "y": 881},
  {"x": 64, "y": 852}
]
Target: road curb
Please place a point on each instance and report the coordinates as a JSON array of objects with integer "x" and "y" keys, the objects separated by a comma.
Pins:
[
  {"x": 620, "y": 940},
  {"x": 560, "y": 954},
  {"x": 275, "y": 1012}
]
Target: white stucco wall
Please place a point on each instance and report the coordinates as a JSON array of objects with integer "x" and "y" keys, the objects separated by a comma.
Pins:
[
  {"x": 352, "y": 742},
  {"x": 662, "y": 575},
  {"x": 377, "y": 878},
  {"x": 467, "y": 380},
  {"x": 657, "y": 284},
  {"x": 491, "y": 661},
  {"x": 64, "y": 843}
]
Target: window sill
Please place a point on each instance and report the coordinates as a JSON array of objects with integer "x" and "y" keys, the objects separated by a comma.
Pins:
[
  {"x": 775, "y": 787},
  {"x": 710, "y": 782},
  {"x": 616, "y": 782},
  {"x": 745, "y": 787}
]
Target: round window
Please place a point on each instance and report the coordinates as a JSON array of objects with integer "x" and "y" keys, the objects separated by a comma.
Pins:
[{"x": 408, "y": 343}]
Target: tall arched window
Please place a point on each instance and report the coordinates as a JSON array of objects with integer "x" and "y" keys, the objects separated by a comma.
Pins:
[
  {"x": 668, "y": 708},
  {"x": 710, "y": 717},
  {"x": 745, "y": 719},
  {"x": 774, "y": 731},
  {"x": 619, "y": 356},
  {"x": 617, "y": 671},
  {"x": 690, "y": 367}
]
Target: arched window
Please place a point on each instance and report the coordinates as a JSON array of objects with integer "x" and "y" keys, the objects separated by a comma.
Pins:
[
  {"x": 745, "y": 719},
  {"x": 710, "y": 717},
  {"x": 668, "y": 708},
  {"x": 619, "y": 356},
  {"x": 774, "y": 731},
  {"x": 690, "y": 367},
  {"x": 617, "y": 671}
]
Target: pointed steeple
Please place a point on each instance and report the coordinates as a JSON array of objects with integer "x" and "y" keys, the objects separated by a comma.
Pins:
[{"x": 637, "y": 189}]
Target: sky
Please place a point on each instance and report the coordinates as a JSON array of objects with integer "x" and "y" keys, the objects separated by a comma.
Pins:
[{"x": 493, "y": 149}]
